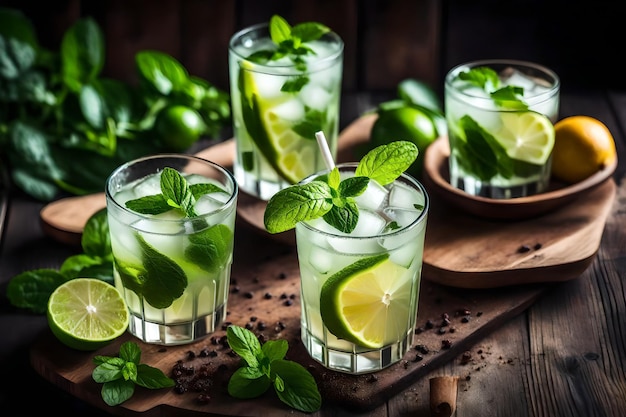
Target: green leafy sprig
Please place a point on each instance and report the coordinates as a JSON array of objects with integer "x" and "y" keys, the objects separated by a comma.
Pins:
[
  {"x": 509, "y": 97},
  {"x": 176, "y": 193},
  {"x": 265, "y": 366},
  {"x": 291, "y": 42},
  {"x": 332, "y": 198},
  {"x": 120, "y": 374},
  {"x": 31, "y": 289}
]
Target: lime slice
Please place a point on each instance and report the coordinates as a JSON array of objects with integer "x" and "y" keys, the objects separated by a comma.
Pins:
[
  {"x": 526, "y": 136},
  {"x": 368, "y": 302},
  {"x": 286, "y": 151},
  {"x": 87, "y": 313}
]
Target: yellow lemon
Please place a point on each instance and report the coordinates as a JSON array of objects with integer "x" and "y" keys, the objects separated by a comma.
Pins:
[{"x": 582, "y": 146}]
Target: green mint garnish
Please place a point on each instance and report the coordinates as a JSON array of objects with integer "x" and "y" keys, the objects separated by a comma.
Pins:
[
  {"x": 176, "y": 194},
  {"x": 159, "y": 279},
  {"x": 264, "y": 366},
  {"x": 120, "y": 374},
  {"x": 329, "y": 197},
  {"x": 509, "y": 97},
  {"x": 291, "y": 42}
]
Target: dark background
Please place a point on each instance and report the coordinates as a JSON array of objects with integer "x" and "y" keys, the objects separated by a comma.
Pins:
[{"x": 386, "y": 40}]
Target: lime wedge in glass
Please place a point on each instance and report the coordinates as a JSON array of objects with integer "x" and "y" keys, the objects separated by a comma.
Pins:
[
  {"x": 368, "y": 302},
  {"x": 286, "y": 151},
  {"x": 526, "y": 136}
]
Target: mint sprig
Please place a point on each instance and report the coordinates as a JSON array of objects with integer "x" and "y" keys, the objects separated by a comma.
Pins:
[
  {"x": 120, "y": 374},
  {"x": 329, "y": 197},
  {"x": 291, "y": 42},
  {"x": 176, "y": 194},
  {"x": 509, "y": 97},
  {"x": 265, "y": 366}
]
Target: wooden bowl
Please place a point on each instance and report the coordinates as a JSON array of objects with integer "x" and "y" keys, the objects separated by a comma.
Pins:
[{"x": 436, "y": 178}]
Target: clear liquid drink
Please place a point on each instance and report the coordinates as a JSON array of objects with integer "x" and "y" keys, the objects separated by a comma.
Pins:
[
  {"x": 370, "y": 277},
  {"x": 173, "y": 270},
  {"x": 500, "y": 128},
  {"x": 277, "y": 108}
]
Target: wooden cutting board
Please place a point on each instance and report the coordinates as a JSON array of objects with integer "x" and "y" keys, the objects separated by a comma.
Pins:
[{"x": 278, "y": 315}]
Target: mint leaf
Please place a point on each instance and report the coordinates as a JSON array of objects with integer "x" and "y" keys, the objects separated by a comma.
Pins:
[
  {"x": 280, "y": 30},
  {"x": 482, "y": 154},
  {"x": 198, "y": 190},
  {"x": 108, "y": 371},
  {"x": 176, "y": 191},
  {"x": 149, "y": 204},
  {"x": 152, "y": 378},
  {"x": 385, "y": 163},
  {"x": 343, "y": 218},
  {"x": 210, "y": 248},
  {"x": 510, "y": 97},
  {"x": 118, "y": 391},
  {"x": 297, "y": 203},
  {"x": 129, "y": 371},
  {"x": 353, "y": 186},
  {"x": 309, "y": 31},
  {"x": 293, "y": 384},
  {"x": 119, "y": 375},
  {"x": 242, "y": 386},
  {"x": 300, "y": 389},
  {"x": 275, "y": 349},
  {"x": 245, "y": 344},
  {"x": 482, "y": 77},
  {"x": 159, "y": 280},
  {"x": 294, "y": 85},
  {"x": 130, "y": 352},
  {"x": 32, "y": 289}
]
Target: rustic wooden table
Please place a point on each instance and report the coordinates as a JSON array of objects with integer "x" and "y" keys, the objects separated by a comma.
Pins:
[{"x": 562, "y": 356}]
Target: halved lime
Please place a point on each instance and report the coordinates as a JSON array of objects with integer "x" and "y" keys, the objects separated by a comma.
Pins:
[
  {"x": 286, "y": 151},
  {"x": 87, "y": 313},
  {"x": 368, "y": 302},
  {"x": 526, "y": 136}
]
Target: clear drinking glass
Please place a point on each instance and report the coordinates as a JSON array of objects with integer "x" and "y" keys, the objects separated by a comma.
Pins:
[
  {"x": 173, "y": 270},
  {"x": 277, "y": 108},
  {"x": 392, "y": 222},
  {"x": 485, "y": 126}
]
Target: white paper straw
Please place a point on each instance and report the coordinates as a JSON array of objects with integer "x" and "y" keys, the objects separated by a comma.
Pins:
[{"x": 323, "y": 144}]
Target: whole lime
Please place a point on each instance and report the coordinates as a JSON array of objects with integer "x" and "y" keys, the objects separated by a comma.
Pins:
[
  {"x": 405, "y": 123},
  {"x": 179, "y": 127}
]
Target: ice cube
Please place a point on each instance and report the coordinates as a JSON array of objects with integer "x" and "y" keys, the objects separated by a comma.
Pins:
[
  {"x": 268, "y": 86},
  {"x": 165, "y": 236},
  {"x": 403, "y": 196},
  {"x": 315, "y": 96},
  {"x": 401, "y": 216},
  {"x": 516, "y": 78},
  {"x": 208, "y": 203},
  {"x": 149, "y": 185},
  {"x": 320, "y": 260},
  {"x": 291, "y": 110},
  {"x": 373, "y": 196},
  {"x": 369, "y": 224}
]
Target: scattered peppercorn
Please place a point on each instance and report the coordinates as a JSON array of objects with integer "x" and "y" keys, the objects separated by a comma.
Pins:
[
  {"x": 249, "y": 294},
  {"x": 446, "y": 344},
  {"x": 523, "y": 249}
]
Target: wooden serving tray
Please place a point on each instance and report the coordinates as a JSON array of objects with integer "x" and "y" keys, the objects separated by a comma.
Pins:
[{"x": 278, "y": 276}]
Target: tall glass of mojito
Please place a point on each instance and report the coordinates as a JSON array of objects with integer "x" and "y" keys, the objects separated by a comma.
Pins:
[
  {"x": 171, "y": 220},
  {"x": 285, "y": 85},
  {"x": 500, "y": 116},
  {"x": 360, "y": 255}
]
